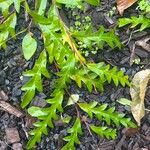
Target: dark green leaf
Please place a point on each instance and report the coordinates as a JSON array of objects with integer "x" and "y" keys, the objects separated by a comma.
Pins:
[{"x": 28, "y": 96}]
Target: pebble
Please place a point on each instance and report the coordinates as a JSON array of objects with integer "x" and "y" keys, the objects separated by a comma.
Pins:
[
  {"x": 17, "y": 146},
  {"x": 16, "y": 92},
  {"x": 56, "y": 136},
  {"x": 2, "y": 77},
  {"x": 3, "y": 146},
  {"x": 7, "y": 82},
  {"x": 47, "y": 139},
  {"x": 11, "y": 63},
  {"x": 12, "y": 135}
]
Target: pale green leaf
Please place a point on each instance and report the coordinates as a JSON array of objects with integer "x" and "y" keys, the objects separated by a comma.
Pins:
[
  {"x": 36, "y": 111},
  {"x": 29, "y": 46},
  {"x": 17, "y": 5},
  {"x": 74, "y": 98},
  {"x": 124, "y": 101},
  {"x": 42, "y": 7}
]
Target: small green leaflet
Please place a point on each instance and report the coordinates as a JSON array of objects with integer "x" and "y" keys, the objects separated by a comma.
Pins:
[
  {"x": 142, "y": 21},
  {"x": 36, "y": 111},
  {"x": 88, "y": 107},
  {"x": 93, "y": 2},
  {"x": 2, "y": 1},
  {"x": 74, "y": 98},
  {"x": 29, "y": 46},
  {"x": 42, "y": 7},
  {"x": 17, "y": 5},
  {"x": 73, "y": 139},
  {"x": 8, "y": 27},
  {"x": 4, "y": 6},
  {"x": 104, "y": 132},
  {"x": 90, "y": 37},
  {"x": 27, "y": 97},
  {"x": 144, "y": 5},
  {"x": 124, "y": 101},
  {"x": 39, "y": 18},
  {"x": 108, "y": 114},
  {"x": 35, "y": 83},
  {"x": 78, "y": 2}
]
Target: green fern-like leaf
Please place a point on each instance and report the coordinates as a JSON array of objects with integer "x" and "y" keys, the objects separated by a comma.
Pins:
[
  {"x": 104, "y": 132},
  {"x": 4, "y": 7},
  {"x": 35, "y": 83},
  {"x": 60, "y": 45},
  {"x": 100, "y": 37},
  {"x": 46, "y": 115},
  {"x": 89, "y": 79},
  {"x": 144, "y": 5},
  {"x": 73, "y": 139},
  {"x": 107, "y": 114},
  {"x": 108, "y": 74},
  {"x": 96, "y": 75},
  {"x": 142, "y": 21},
  {"x": 7, "y": 28},
  {"x": 78, "y": 3}
]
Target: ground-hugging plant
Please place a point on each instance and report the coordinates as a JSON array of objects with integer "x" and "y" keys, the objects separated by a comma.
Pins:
[
  {"x": 62, "y": 51},
  {"x": 142, "y": 21}
]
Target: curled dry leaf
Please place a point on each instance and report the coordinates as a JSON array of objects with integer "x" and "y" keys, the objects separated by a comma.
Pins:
[
  {"x": 137, "y": 91},
  {"x": 124, "y": 4},
  {"x": 143, "y": 43}
]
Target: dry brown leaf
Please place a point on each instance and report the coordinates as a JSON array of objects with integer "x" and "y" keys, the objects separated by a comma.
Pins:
[
  {"x": 143, "y": 43},
  {"x": 124, "y": 4},
  {"x": 137, "y": 91}
]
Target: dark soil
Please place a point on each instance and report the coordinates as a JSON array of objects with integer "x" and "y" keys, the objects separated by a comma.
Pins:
[{"x": 12, "y": 64}]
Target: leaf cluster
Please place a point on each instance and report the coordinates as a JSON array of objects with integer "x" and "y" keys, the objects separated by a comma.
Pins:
[
  {"x": 144, "y": 6},
  {"x": 62, "y": 52},
  {"x": 7, "y": 26},
  {"x": 142, "y": 21},
  {"x": 96, "y": 75},
  {"x": 97, "y": 38},
  {"x": 102, "y": 113}
]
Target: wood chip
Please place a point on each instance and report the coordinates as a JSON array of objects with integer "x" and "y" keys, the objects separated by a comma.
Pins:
[
  {"x": 12, "y": 135},
  {"x": 143, "y": 43},
  {"x": 3, "y": 96},
  {"x": 129, "y": 132},
  {"x": 29, "y": 121},
  {"x": 120, "y": 144},
  {"x": 3, "y": 145},
  {"x": 11, "y": 109},
  {"x": 17, "y": 146}
]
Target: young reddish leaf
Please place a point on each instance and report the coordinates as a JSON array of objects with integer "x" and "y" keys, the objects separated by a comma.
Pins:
[{"x": 124, "y": 4}]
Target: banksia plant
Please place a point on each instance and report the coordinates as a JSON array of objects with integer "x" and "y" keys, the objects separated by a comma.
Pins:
[{"x": 62, "y": 52}]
